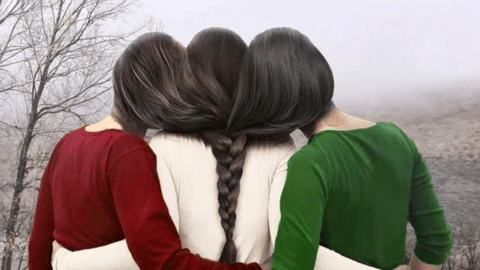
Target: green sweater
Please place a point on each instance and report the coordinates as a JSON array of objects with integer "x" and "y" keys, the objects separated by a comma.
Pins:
[{"x": 354, "y": 191}]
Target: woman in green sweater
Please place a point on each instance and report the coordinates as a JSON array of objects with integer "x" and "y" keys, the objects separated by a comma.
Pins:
[{"x": 356, "y": 184}]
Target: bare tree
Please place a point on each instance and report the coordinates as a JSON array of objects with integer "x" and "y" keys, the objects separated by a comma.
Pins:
[
  {"x": 10, "y": 9},
  {"x": 62, "y": 76},
  {"x": 11, "y": 13}
]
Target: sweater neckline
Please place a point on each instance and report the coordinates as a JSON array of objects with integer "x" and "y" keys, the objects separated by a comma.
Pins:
[
  {"x": 354, "y": 130},
  {"x": 95, "y": 133}
]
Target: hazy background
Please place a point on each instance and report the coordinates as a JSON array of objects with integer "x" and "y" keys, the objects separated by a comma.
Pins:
[
  {"x": 415, "y": 63},
  {"x": 378, "y": 50}
]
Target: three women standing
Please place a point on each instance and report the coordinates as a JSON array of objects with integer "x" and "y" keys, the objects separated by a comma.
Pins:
[{"x": 285, "y": 84}]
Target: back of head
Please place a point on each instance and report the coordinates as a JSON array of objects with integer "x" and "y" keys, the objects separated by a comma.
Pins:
[
  {"x": 285, "y": 84},
  {"x": 215, "y": 56},
  {"x": 148, "y": 80}
]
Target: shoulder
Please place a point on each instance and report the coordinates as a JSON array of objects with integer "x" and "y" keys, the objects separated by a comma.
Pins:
[
  {"x": 128, "y": 141},
  {"x": 67, "y": 138},
  {"x": 319, "y": 145},
  {"x": 125, "y": 145},
  {"x": 309, "y": 154},
  {"x": 309, "y": 171},
  {"x": 272, "y": 150},
  {"x": 111, "y": 138},
  {"x": 72, "y": 135},
  {"x": 128, "y": 148},
  {"x": 108, "y": 145},
  {"x": 178, "y": 145},
  {"x": 393, "y": 130},
  {"x": 163, "y": 138},
  {"x": 316, "y": 158}
]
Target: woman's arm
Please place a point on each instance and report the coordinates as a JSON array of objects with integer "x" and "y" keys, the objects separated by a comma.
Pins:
[
  {"x": 278, "y": 182},
  {"x": 167, "y": 183},
  {"x": 302, "y": 205},
  {"x": 115, "y": 256},
  {"x": 434, "y": 239},
  {"x": 416, "y": 264},
  {"x": 107, "y": 257},
  {"x": 325, "y": 259},
  {"x": 41, "y": 237}
]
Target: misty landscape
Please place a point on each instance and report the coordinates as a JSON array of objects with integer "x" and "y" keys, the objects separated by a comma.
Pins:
[{"x": 408, "y": 63}]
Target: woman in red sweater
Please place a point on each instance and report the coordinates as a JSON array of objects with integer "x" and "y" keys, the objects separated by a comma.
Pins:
[{"x": 101, "y": 184}]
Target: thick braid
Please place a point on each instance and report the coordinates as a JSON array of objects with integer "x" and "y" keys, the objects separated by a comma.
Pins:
[{"x": 230, "y": 155}]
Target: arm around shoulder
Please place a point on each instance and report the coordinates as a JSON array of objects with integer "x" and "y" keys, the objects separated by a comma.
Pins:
[
  {"x": 115, "y": 256},
  {"x": 434, "y": 238}
]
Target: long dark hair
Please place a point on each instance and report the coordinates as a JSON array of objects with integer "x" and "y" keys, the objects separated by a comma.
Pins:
[
  {"x": 149, "y": 79},
  {"x": 215, "y": 56},
  {"x": 285, "y": 84}
]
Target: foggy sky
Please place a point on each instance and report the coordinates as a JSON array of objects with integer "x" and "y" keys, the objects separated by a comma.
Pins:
[{"x": 376, "y": 48}]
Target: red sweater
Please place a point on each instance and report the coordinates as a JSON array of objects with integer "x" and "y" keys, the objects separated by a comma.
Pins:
[{"x": 101, "y": 187}]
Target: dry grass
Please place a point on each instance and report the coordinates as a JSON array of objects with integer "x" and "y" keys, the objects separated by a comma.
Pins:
[{"x": 465, "y": 253}]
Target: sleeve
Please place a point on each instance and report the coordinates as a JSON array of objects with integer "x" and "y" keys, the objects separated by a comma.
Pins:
[
  {"x": 302, "y": 206},
  {"x": 41, "y": 238},
  {"x": 167, "y": 183},
  {"x": 278, "y": 182},
  {"x": 149, "y": 231},
  {"x": 115, "y": 256},
  {"x": 434, "y": 239}
]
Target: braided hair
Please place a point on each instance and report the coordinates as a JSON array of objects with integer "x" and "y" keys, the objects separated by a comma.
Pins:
[
  {"x": 215, "y": 56},
  {"x": 230, "y": 155}
]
